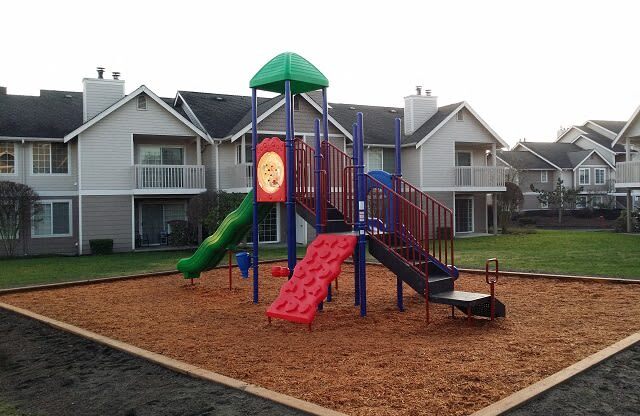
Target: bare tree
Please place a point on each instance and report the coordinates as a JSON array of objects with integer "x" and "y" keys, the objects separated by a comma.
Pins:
[
  {"x": 18, "y": 202},
  {"x": 560, "y": 197}
]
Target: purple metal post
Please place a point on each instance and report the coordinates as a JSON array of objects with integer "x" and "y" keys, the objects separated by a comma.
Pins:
[
  {"x": 317, "y": 172},
  {"x": 356, "y": 274},
  {"x": 398, "y": 175},
  {"x": 360, "y": 223},
  {"x": 290, "y": 203},
  {"x": 254, "y": 180}
]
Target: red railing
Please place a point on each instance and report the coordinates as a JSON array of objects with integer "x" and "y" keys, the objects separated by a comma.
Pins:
[
  {"x": 304, "y": 181},
  {"x": 440, "y": 230},
  {"x": 335, "y": 161}
]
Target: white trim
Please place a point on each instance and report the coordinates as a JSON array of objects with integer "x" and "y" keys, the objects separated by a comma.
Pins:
[
  {"x": 601, "y": 157},
  {"x": 57, "y": 193},
  {"x": 51, "y": 202},
  {"x": 552, "y": 164},
  {"x": 594, "y": 142},
  {"x": 505, "y": 162},
  {"x": 173, "y": 191},
  {"x": 191, "y": 112},
  {"x": 546, "y": 176},
  {"x": 30, "y": 168},
  {"x": 331, "y": 119},
  {"x": 456, "y": 152},
  {"x": 595, "y": 176},
  {"x": 626, "y": 126},
  {"x": 462, "y": 189},
  {"x": 588, "y": 170},
  {"x": 145, "y": 108},
  {"x": 245, "y": 190},
  {"x": 473, "y": 225},
  {"x": 126, "y": 99},
  {"x": 602, "y": 127},
  {"x": 161, "y": 146},
  {"x": 15, "y": 163},
  {"x": 464, "y": 104},
  {"x": 258, "y": 120},
  {"x": 567, "y": 131},
  {"x": 30, "y": 139}
]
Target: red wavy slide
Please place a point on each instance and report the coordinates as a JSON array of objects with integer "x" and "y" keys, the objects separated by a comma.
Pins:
[{"x": 300, "y": 296}]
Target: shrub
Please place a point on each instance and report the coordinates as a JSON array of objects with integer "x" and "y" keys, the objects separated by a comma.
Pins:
[
  {"x": 526, "y": 221},
  {"x": 621, "y": 222},
  {"x": 181, "y": 233},
  {"x": 102, "y": 246},
  {"x": 521, "y": 230}
]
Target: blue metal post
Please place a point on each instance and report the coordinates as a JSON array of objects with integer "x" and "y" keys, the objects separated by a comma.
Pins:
[
  {"x": 291, "y": 203},
  {"x": 325, "y": 128},
  {"x": 361, "y": 219},
  {"x": 356, "y": 263},
  {"x": 254, "y": 146},
  {"x": 398, "y": 175}
]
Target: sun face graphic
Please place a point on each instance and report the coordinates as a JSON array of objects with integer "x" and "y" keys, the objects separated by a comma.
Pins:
[{"x": 270, "y": 172}]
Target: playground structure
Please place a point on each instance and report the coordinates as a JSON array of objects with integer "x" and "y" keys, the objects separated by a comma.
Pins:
[{"x": 408, "y": 231}]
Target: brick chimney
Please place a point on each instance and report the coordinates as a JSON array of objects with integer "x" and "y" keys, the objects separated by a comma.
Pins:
[
  {"x": 418, "y": 108},
  {"x": 100, "y": 93}
]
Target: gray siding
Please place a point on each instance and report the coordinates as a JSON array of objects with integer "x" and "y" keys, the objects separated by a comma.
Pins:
[
  {"x": 100, "y": 94},
  {"x": 106, "y": 148},
  {"x": 107, "y": 217},
  {"x": 31, "y": 246},
  {"x": 439, "y": 151},
  {"x": 304, "y": 119}
]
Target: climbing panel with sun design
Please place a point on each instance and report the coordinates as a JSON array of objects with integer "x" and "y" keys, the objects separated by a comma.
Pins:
[{"x": 271, "y": 170}]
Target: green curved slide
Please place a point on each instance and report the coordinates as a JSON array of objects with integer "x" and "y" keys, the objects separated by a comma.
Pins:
[{"x": 232, "y": 230}]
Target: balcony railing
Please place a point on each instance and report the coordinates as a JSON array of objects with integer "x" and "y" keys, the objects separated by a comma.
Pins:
[
  {"x": 480, "y": 176},
  {"x": 628, "y": 173},
  {"x": 169, "y": 176}
]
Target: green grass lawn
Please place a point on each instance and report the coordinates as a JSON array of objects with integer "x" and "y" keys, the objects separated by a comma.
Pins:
[
  {"x": 589, "y": 253},
  {"x": 39, "y": 270},
  {"x": 599, "y": 253},
  {"x": 8, "y": 410}
]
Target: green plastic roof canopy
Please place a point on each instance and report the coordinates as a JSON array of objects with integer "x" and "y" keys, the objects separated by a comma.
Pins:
[{"x": 304, "y": 76}]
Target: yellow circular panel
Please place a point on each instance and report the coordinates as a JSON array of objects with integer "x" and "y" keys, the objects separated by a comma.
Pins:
[{"x": 270, "y": 172}]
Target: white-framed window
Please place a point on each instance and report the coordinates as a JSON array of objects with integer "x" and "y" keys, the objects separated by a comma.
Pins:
[
  {"x": 463, "y": 158},
  {"x": 597, "y": 201},
  {"x": 248, "y": 154},
  {"x": 581, "y": 202},
  {"x": 269, "y": 229},
  {"x": 142, "y": 102},
  {"x": 296, "y": 102},
  {"x": 544, "y": 176},
  {"x": 599, "y": 174},
  {"x": 50, "y": 158},
  {"x": 459, "y": 116},
  {"x": 7, "y": 158},
  {"x": 53, "y": 219},
  {"x": 375, "y": 157},
  {"x": 584, "y": 176},
  {"x": 161, "y": 155},
  {"x": 544, "y": 205}
]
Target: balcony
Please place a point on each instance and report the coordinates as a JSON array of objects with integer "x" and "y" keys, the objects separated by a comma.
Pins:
[
  {"x": 237, "y": 178},
  {"x": 169, "y": 179},
  {"x": 628, "y": 174},
  {"x": 480, "y": 178}
]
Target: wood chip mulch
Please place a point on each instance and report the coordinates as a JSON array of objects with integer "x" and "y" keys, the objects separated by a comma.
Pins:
[{"x": 388, "y": 363}]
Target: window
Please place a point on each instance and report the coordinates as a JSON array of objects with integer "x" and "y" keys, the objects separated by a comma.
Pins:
[
  {"x": 597, "y": 201},
  {"x": 600, "y": 176},
  {"x": 160, "y": 155},
  {"x": 53, "y": 219},
  {"x": 248, "y": 154},
  {"x": 389, "y": 160},
  {"x": 7, "y": 158},
  {"x": 583, "y": 176},
  {"x": 50, "y": 158},
  {"x": 581, "y": 202},
  {"x": 142, "y": 102},
  {"x": 544, "y": 205},
  {"x": 268, "y": 228},
  {"x": 460, "y": 116},
  {"x": 296, "y": 103},
  {"x": 544, "y": 177},
  {"x": 464, "y": 214},
  {"x": 375, "y": 158},
  {"x": 463, "y": 159}
]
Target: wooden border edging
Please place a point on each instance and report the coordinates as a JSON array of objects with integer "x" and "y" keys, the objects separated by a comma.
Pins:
[
  {"x": 179, "y": 366},
  {"x": 557, "y": 276},
  {"x": 97, "y": 280},
  {"x": 521, "y": 397}
]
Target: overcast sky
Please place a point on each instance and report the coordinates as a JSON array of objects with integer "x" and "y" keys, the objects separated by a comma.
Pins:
[{"x": 526, "y": 67}]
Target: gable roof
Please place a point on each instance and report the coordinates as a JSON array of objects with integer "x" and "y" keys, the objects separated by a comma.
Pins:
[
  {"x": 142, "y": 89},
  {"x": 50, "y": 115},
  {"x": 265, "y": 108},
  {"x": 523, "y": 160},
  {"x": 611, "y": 125},
  {"x": 218, "y": 113},
  {"x": 560, "y": 155},
  {"x": 580, "y": 159},
  {"x": 600, "y": 139},
  {"x": 378, "y": 121},
  {"x": 626, "y": 126}
]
